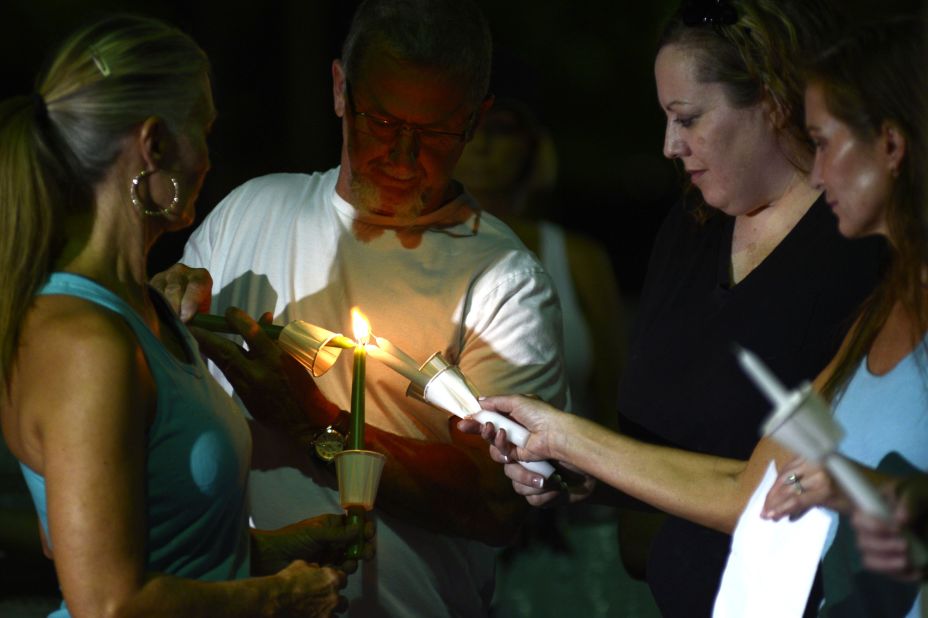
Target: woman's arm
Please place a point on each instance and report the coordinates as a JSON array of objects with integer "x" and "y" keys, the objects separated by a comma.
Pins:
[
  {"x": 708, "y": 490},
  {"x": 711, "y": 491}
]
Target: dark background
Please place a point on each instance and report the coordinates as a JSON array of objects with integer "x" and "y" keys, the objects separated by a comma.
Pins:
[{"x": 585, "y": 68}]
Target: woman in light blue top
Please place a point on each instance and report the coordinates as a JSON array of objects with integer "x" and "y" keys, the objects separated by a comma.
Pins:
[
  {"x": 865, "y": 105},
  {"x": 136, "y": 459}
]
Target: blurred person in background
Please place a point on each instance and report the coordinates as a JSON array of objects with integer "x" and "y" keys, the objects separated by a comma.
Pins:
[{"x": 510, "y": 166}]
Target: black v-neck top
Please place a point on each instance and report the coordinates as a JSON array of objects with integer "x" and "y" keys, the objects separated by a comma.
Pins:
[{"x": 682, "y": 385}]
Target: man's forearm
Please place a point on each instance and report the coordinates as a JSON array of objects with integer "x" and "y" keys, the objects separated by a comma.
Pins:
[{"x": 449, "y": 488}]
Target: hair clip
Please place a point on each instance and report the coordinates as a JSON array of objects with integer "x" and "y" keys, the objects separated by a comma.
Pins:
[{"x": 100, "y": 63}]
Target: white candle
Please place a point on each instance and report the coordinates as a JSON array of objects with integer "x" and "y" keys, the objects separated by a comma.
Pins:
[
  {"x": 361, "y": 333},
  {"x": 384, "y": 344},
  {"x": 762, "y": 376},
  {"x": 409, "y": 372},
  {"x": 861, "y": 492}
]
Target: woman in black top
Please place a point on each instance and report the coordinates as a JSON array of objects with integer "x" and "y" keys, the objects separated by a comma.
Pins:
[{"x": 755, "y": 259}]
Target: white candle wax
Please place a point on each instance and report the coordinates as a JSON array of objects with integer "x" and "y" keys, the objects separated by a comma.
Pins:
[
  {"x": 384, "y": 344},
  {"x": 861, "y": 492},
  {"x": 762, "y": 377},
  {"x": 411, "y": 373}
]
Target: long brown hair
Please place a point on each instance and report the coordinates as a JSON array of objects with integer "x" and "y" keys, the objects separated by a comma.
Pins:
[{"x": 873, "y": 76}]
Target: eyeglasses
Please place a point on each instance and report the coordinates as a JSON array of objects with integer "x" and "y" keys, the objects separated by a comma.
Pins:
[
  {"x": 709, "y": 12},
  {"x": 387, "y": 130}
]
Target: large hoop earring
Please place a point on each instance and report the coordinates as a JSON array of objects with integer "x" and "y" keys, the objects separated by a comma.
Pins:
[{"x": 136, "y": 200}]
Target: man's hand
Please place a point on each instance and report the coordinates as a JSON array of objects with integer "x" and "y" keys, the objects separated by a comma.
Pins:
[
  {"x": 306, "y": 589},
  {"x": 187, "y": 290},
  {"x": 323, "y": 540},
  {"x": 276, "y": 389}
]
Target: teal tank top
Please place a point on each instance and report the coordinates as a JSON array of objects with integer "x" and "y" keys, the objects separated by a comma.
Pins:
[
  {"x": 198, "y": 454},
  {"x": 885, "y": 419}
]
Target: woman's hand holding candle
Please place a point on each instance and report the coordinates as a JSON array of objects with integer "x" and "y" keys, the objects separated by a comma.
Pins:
[
  {"x": 445, "y": 387},
  {"x": 516, "y": 435},
  {"x": 544, "y": 428}
]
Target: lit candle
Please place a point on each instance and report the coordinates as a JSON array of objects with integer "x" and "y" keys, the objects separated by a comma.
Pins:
[
  {"x": 400, "y": 356},
  {"x": 396, "y": 359},
  {"x": 361, "y": 335}
]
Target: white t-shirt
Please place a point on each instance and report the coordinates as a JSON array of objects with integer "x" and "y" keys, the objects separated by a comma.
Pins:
[{"x": 458, "y": 281}]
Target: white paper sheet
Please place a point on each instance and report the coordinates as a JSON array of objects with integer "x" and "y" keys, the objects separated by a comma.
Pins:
[{"x": 771, "y": 565}]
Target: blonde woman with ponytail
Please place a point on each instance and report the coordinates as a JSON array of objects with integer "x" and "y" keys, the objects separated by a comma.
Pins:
[{"x": 136, "y": 460}]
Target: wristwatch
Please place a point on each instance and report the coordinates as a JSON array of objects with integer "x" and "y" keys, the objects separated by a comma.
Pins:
[{"x": 328, "y": 443}]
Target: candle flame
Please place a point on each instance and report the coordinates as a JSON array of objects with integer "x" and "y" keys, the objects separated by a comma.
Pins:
[{"x": 360, "y": 325}]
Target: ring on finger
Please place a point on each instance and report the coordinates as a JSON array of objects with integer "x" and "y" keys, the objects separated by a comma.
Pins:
[{"x": 794, "y": 480}]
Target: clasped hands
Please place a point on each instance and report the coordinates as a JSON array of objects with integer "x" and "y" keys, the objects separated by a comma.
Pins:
[{"x": 311, "y": 553}]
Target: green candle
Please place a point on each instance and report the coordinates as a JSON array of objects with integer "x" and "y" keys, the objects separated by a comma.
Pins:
[
  {"x": 357, "y": 398},
  {"x": 361, "y": 334},
  {"x": 218, "y": 324}
]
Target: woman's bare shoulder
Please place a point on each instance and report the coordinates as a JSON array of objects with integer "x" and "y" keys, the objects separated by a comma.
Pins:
[
  {"x": 72, "y": 330},
  {"x": 77, "y": 363}
]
